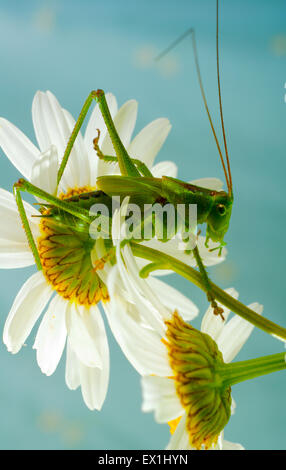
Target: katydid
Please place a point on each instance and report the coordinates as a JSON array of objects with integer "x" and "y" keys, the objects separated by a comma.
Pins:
[{"x": 137, "y": 182}]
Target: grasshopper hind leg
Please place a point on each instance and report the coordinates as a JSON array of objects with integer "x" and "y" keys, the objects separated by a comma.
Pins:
[
  {"x": 24, "y": 186},
  {"x": 210, "y": 295}
]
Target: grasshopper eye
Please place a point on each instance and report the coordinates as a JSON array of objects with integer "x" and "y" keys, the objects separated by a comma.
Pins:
[{"x": 221, "y": 209}]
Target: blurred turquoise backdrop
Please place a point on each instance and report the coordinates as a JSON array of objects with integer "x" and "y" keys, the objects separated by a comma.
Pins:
[{"x": 71, "y": 47}]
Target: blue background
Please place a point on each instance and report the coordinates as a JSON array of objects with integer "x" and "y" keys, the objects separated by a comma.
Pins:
[{"x": 71, "y": 47}]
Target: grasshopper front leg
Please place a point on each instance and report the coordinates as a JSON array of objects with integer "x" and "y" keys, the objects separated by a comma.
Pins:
[
  {"x": 127, "y": 167},
  {"x": 24, "y": 186}
]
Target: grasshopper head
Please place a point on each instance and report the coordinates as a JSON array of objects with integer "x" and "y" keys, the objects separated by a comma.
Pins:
[{"x": 219, "y": 217}]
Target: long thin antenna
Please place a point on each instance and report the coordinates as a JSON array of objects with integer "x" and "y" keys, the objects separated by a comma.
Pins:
[
  {"x": 191, "y": 32},
  {"x": 206, "y": 106},
  {"x": 174, "y": 44},
  {"x": 220, "y": 102}
]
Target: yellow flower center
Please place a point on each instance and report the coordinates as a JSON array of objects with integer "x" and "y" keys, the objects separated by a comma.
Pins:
[
  {"x": 195, "y": 360},
  {"x": 64, "y": 247},
  {"x": 75, "y": 192}
]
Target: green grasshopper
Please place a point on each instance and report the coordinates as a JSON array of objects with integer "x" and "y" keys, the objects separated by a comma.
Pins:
[{"x": 137, "y": 182}]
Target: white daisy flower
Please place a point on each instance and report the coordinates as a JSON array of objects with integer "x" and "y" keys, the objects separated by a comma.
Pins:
[
  {"x": 146, "y": 340},
  {"x": 68, "y": 289},
  {"x": 196, "y": 415}
]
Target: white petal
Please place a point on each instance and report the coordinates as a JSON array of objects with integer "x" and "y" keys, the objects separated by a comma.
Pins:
[
  {"x": 50, "y": 126},
  {"x": 45, "y": 169},
  {"x": 26, "y": 309},
  {"x": 12, "y": 228},
  {"x": 159, "y": 395},
  {"x": 165, "y": 168},
  {"x": 213, "y": 324},
  {"x": 49, "y": 123},
  {"x": 124, "y": 122},
  {"x": 139, "y": 343},
  {"x": 235, "y": 333},
  {"x": 78, "y": 162},
  {"x": 150, "y": 139},
  {"x": 85, "y": 334},
  {"x": 14, "y": 248},
  {"x": 15, "y": 255},
  {"x": 173, "y": 299},
  {"x": 94, "y": 381},
  {"x": 72, "y": 368},
  {"x": 148, "y": 303},
  {"x": 18, "y": 148},
  {"x": 53, "y": 126},
  {"x": 210, "y": 183},
  {"x": 51, "y": 337}
]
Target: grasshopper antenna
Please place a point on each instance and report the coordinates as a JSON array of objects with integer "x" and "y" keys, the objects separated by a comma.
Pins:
[
  {"x": 220, "y": 101},
  {"x": 191, "y": 32},
  {"x": 174, "y": 44}
]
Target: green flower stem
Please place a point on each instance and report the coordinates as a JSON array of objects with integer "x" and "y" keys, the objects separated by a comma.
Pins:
[
  {"x": 157, "y": 258},
  {"x": 235, "y": 372}
]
